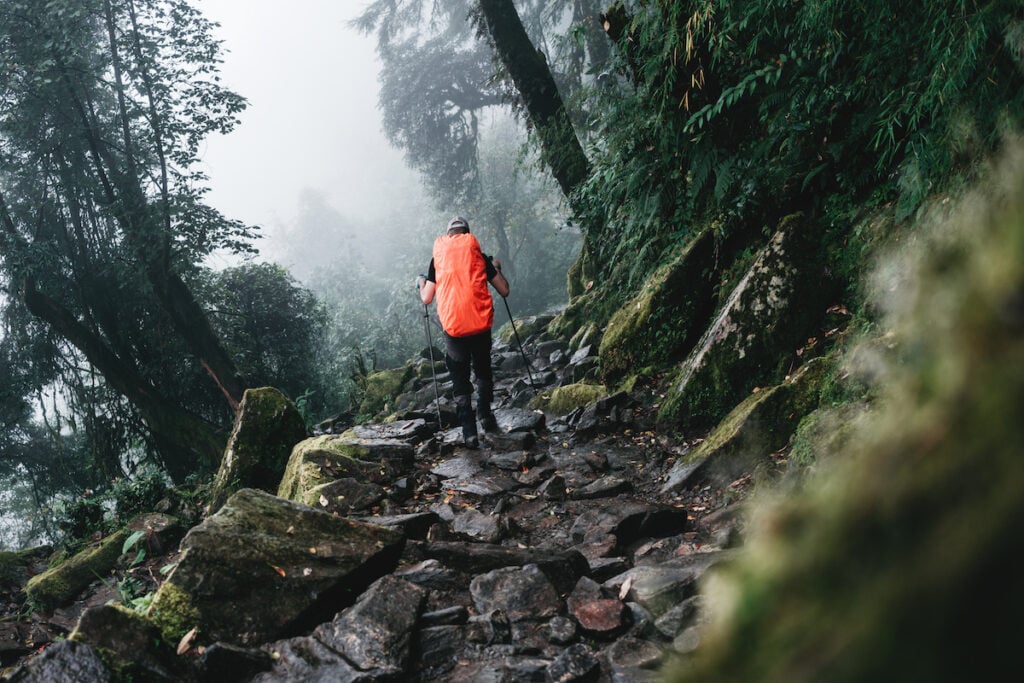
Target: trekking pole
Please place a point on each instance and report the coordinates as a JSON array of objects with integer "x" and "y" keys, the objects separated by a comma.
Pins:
[
  {"x": 430, "y": 347},
  {"x": 520, "y": 341}
]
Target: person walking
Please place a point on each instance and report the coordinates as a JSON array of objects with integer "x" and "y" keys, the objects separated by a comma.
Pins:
[{"x": 457, "y": 277}]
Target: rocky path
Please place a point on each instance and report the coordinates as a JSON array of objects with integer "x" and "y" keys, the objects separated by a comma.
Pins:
[{"x": 550, "y": 554}]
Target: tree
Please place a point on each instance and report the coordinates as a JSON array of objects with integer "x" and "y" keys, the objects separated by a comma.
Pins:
[
  {"x": 528, "y": 69},
  {"x": 104, "y": 104},
  {"x": 438, "y": 80}
]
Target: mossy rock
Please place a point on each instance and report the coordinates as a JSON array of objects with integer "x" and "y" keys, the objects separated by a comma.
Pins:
[
  {"x": 664, "y": 320},
  {"x": 760, "y": 425},
  {"x": 61, "y": 584},
  {"x": 322, "y": 459},
  {"x": 750, "y": 342},
  {"x": 129, "y": 644},
  {"x": 266, "y": 429},
  {"x": 264, "y": 568},
  {"x": 563, "y": 400},
  {"x": 15, "y": 565},
  {"x": 526, "y": 327},
  {"x": 898, "y": 559},
  {"x": 382, "y": 387}
]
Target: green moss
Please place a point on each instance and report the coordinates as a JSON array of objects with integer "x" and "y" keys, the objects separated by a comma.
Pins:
[
  {"x": 382, "y": 387},
  {"x": 663, "y": 320},
  {"x": 320, "y": 460},
  {"x": 267, "y": 428},
  {"x": 60, "y": 585},
  {"x": 173, "y": 613},
  {"x": 563, "y": 400}
]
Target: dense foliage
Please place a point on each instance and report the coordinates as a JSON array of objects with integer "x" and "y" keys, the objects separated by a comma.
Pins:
[{"x": 740, "y": 112}]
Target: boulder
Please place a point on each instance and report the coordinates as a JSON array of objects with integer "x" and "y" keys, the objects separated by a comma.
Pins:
[
  {"x": 264, "y": 568},
  {"x": 757, "y": 427},
  {"x": 59, "y": 585},
  {"x": 750, "y": 342},
  {"x": 664, "y": 320},
  {"x": 66, "y": 660},
  {"x": 323, "y": 459},
  {"x": 128, "y": 643},
  {"x": 382, "y": 388},
  {"x": 565, "y": 399},
  {"x": 266, "y": 429}
]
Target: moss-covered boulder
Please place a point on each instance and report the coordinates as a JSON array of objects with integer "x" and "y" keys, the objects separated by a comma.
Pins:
[
  {"x": 16, "y": 566},
  {"x": 382, "y": 388},
  {"x": 129, "y": 644},
  {"x": 264, "y": 568},
  {"x": 563, "y": 400},
  {"x": 899, "y": 560},
  {"x": 663, "y": 321},
  {"x": 525, "y": 327},
  {"x": 266, "y": 429},
  {"x": 322, "y": 459},
  {"x": 760, "y": 425},
  {"x": 751, "y": 341},
  {"x": 61, "y": 584}
]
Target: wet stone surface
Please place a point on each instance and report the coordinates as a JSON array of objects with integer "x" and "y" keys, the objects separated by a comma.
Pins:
[{"x": 552, "y": 553}]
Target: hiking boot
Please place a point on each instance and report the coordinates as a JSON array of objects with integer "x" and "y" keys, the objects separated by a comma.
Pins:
[
  {"x": 487, "y": 421},
  {"x": 465, "y": 412}
]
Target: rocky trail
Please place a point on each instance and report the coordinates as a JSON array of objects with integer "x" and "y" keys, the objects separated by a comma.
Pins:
[{"x": 556, "y": 552}]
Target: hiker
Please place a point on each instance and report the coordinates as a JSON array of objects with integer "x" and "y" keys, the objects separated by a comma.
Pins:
[{"x": 458, "y": 275}]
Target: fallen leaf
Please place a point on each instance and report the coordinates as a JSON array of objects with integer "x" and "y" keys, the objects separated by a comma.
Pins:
[{"x": 185, "y": 644}]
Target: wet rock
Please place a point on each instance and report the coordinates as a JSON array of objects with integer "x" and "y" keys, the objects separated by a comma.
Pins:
[
  {"x": 599, "y": 617},
  {"x": 460, "y": 467},
  {"x": 679, "y": 616},
  {"x": 222, "y": 662},
  {"x": 603, "y": 568},
  {"x": 414, "y": 430},
  {"x": 605, "y": 487},
  {"x": 513, "y": 420},
  {"x": 478, "y": 526},
  {"x": 561, "y": 630},
  {"x": 634, "y": 653},
  {"x": 674, "y": 302},
  {"x": 761, "y": 424},
  {"x": 128, "y": 642},
  {"x": 60, "y": 585},
  {"x": 489, "y": 628},
  {"x": 344, "y": 496},
  {"x": 307, "y": 659},
  {"x": 437, "y": 647},
  {"x": 429, "y": 574},
  {"x": 266, "y": 429},
  {"x": 63, "y": 661},
  {"x": 510, "y": 669},
  {"x": 553, "y": 488},
  {"x": 449, "y": 616},
  {"x": 483, "y": 486},
  {"x": 375, "y": 633},
  {"x": 660, "y": 587},
  {"x": 575, "y": 663},
  {"x": 562, "y": 568},
  {"x": 518, "y": 592},
  {"x": 629, "y": 521},
  {"x": 748, "y": 344},
  {"x": 512, "y": 441},
  {"x": 511, "y": 461},
  {"x": 323, "y": 459},
  {"x": 412, "y": 525},
  {"x": 264, "y": 567}
]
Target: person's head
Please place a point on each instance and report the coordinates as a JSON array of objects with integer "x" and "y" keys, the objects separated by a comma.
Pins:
[{"x": 458, "y": 226}]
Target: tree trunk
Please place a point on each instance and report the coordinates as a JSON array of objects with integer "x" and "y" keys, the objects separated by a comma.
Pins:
[
  {"x": 185, "y": 442},
  {"x": 560, "y": 148}
]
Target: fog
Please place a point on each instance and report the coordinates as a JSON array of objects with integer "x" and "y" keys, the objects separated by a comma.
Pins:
[{"x": 312, "y": 129}]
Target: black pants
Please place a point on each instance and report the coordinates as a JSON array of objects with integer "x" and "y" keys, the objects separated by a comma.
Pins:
[{"x": 472, "y": 352}]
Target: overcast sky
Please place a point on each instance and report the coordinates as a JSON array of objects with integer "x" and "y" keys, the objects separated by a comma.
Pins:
[{"x": 312, "y": 120}]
